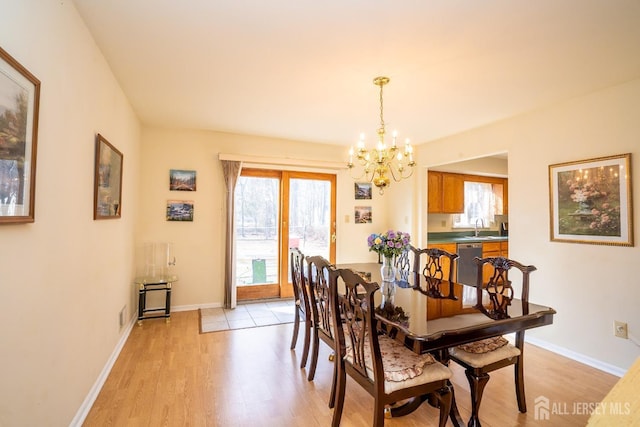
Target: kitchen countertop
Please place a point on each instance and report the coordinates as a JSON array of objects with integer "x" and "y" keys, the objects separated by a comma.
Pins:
[{"x": 465, "y": 237}]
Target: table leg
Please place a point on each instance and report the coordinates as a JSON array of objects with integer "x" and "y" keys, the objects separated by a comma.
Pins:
[
  {"x": 141, "y": 303},
  {"x": 167, "y": 306}
]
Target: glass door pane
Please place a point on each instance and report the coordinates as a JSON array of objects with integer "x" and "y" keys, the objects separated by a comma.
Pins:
[
  {"x": 257, "y": 235},
  {"x": 310, "y": 216}
]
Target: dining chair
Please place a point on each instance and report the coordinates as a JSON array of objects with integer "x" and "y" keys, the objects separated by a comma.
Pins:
[
  {"x": 301, "y": 301},
  {"x": 484, "y": 356},
  {"x": 439, "y": 270},
  {"x": 319, "y": 271},
  {"x": 384, "y": 367},
  {"x": 407, "y": 263}
]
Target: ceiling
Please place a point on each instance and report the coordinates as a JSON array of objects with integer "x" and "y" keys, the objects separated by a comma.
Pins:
[{"x": 303, "y": 70}]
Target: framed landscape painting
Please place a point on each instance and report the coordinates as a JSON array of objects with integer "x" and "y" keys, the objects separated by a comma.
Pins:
[
  {"x": 179, "y": 210},
  {"x": 19, "y": 101},
  {"x": 182, "y": 180},
  {"x": 107, "y": 194},
  {"x": 590, "y": 201}
]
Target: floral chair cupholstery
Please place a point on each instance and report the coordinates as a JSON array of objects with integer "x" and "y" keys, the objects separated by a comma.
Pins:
[{"x": 384, "y": 367}]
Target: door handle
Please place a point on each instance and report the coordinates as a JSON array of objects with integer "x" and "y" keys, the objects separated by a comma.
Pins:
[{"x": 333, "y": 238}]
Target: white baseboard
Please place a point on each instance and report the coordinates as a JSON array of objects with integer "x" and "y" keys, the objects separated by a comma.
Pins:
[
  {"x": 594, "y": 363},
  {"x": 84, "y": 409}
]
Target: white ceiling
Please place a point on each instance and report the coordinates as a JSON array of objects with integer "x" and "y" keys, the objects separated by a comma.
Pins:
[{"x": 303, "y": 69}]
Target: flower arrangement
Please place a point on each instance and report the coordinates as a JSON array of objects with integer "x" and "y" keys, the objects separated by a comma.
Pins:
[{"x": 390, "y": 243}]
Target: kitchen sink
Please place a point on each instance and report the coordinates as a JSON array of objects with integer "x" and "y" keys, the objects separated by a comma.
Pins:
[{"x": 482, "y": 237}]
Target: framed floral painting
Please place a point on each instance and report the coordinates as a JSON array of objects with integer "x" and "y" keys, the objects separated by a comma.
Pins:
[{"x": 591, "y": 201}]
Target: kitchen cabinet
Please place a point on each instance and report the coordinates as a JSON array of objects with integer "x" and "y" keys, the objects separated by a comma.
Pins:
[
  {"x": 446, "y": 192},
  {"x": 443, "y": 307},
  {"x": 493, "y": 249}
]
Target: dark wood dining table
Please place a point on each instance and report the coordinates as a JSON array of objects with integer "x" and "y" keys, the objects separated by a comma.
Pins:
[{"x": 429, "y": 321}]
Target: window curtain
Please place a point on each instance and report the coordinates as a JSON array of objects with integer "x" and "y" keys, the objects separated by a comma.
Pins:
[{"x": 231, "y": 171}]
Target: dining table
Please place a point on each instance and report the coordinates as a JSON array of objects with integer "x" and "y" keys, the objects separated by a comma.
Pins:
[{"x": 433, "y": 317}]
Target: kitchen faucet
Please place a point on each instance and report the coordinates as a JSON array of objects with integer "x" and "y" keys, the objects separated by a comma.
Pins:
[{"x": 482, "y": 224}]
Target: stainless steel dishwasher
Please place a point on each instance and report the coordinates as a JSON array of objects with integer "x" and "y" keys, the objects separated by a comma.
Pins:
[{"x": 467, "y": 270}]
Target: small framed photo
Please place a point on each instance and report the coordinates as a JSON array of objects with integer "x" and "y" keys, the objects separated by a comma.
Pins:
[
  {"x": 182, "y": 180},
  {"x": 107, "y": 190},
  {"x": 19, "y": 102},
  {"x": 362, "y": 214},
  {"x": 179, "y": 210},
  {"x": 362, "y": 191},
  {"x": 591, "y": 201}
]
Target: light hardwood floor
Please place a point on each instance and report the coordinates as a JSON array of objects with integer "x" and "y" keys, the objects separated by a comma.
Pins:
[{"x": 168, "y": 374}]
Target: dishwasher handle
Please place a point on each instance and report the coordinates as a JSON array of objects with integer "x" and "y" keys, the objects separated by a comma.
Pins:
[{"x": 469, "y": 245}]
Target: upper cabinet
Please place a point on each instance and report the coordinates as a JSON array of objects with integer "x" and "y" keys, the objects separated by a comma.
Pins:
[{"x": 446, "y": 191}]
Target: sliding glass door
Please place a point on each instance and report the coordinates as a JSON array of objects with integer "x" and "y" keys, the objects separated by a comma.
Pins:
[{"x": 276, "y": 210}]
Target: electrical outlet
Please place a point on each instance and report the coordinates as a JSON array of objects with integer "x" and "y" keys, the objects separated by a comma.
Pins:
[{"x": 620, "y": 329}]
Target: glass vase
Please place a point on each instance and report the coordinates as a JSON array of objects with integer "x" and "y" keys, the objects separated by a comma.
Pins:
[{"x": 388, "y": 269}]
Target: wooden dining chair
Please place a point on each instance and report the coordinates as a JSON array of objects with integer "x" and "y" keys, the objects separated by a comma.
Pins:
[
  {"x": 407, "y": 264},
  {"x": 301, "y": 301},
  {"x": 384, "y": 367},
  {"x": 437, "y": 277},
  {"x": 494, "y": 278},
  {"x": 319, "y": 271}
]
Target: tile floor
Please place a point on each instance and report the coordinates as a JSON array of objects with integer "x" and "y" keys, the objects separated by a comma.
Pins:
[{"x": 247, "y": 315}]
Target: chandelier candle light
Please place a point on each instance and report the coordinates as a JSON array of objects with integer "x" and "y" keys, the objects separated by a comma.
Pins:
[{"x": 380, "y": 162}]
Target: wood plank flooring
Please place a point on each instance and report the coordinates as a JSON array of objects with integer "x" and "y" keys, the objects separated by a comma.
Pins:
[{"x": 168, "y": 374}]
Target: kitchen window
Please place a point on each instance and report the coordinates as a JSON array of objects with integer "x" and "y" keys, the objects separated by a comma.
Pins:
[{"x": 482, "y": 201}]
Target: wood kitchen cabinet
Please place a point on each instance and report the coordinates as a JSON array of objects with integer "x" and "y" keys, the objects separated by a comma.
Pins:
[
  {"x": 443, "y": 307},
  {"x": 446, "y": 192},
  {"x": 493, "y": 249}
]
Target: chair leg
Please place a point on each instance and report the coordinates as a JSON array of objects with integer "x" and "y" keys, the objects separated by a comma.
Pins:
[
  {"x": 378, "y": 413},
  {"x": 445, "y": 398},
  {"x": 314, "y": 355},
  {"x": 334, "y": 383},
  {"x": 519, "y": 376},
  {"x": 296, "y": 327},
  {"x": 476, "y": 384},
  {"x": 307, "y": 339},
  {"x": 339, "y": 398}
]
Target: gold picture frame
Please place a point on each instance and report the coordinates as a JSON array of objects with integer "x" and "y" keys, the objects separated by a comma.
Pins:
[
  {"x": 107, "y": 195},
  {"x": 591, "y": 201},
  {"x": 19, "y": 107}
]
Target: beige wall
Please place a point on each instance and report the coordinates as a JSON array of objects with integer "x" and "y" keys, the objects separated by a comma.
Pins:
[
  {"x": 199, "y": 245},
  {"x": 65, "y": 277},
  {"x": 590, "y": 286}
]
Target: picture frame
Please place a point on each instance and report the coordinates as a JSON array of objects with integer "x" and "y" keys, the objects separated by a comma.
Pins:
[
  {"x": 362, "y": 190},
  {"x": 179, "y": 210},
  {"x": 19, "y": 106},
  {"x": 362, "y": 215},
  {"x": 182, "y": 180},
  {"x": 107, "y": 194},
  {"x": 591, "y": 201}
]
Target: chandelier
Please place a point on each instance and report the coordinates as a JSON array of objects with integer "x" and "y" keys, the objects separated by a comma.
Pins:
[{"x": 382, "y": 161}]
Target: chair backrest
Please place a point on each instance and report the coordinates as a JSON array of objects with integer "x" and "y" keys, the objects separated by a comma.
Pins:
[
  {"x": 355, "y": 324},
  {"x": 298, "y": 280},
  {"x": 439, "y": 268},
  {"x": 493, "y": 275},
  {"x": 318, "y": 274},
  {"x": 407, "y": 264}
]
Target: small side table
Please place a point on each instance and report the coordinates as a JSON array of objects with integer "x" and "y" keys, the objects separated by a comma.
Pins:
[{"x": 151, "y": 284}]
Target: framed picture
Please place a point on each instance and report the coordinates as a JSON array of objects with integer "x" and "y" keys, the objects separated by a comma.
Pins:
[
  {"x": 179, "y": 210},
  {"x": 362, "y": 214},
  {"x": 181, "y": 180},
  {"x": 19, "y": 104},
  {"x": 591, "y": 201},
  {"x": 362, "y": 190},
  {"x": 107, "y": 194}
]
